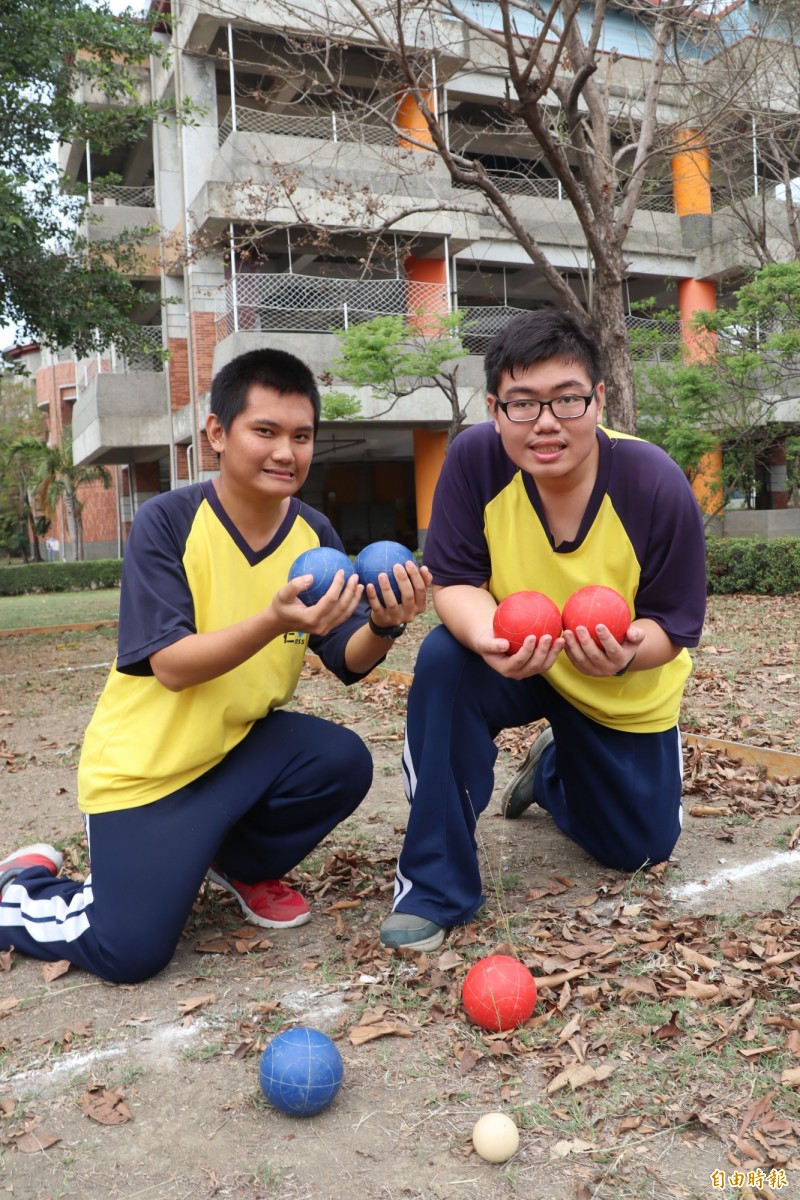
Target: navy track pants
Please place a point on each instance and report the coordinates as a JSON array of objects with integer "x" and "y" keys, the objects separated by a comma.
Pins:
[
  {"x": 617, "y": 794},
  {"x": 257, "y": 814}
]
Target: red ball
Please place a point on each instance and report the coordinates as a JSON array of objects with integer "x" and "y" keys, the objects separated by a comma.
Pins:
[
  {"x": 524, "y": 613},
  {"x": 499, "y": 993},
  {"x": 593, "y": 606}
]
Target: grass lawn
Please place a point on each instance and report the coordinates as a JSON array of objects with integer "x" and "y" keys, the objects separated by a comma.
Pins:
[{"x": 58, "y": 608}]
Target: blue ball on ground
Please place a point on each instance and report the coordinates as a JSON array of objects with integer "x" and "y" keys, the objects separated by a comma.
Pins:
[
  {"x": 301, "y": 1071},
  {"x": 322, "y": 562},
  {"x": 378, "y": 557}
]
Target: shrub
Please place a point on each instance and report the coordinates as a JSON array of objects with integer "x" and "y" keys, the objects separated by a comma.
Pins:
[
  {"x": 60, "y": 577},
  {"x": 757, "y": 566}
]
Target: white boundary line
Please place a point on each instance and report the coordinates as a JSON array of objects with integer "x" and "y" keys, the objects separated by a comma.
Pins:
[{"x": 728, "y": 875}]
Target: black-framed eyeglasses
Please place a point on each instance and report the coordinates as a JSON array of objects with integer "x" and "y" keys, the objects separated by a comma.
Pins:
[{"x": 563, "y": 408}]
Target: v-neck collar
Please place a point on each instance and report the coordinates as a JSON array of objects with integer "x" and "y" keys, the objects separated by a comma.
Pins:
[
  {"x": 599, "y": 490},
  {"x": 253, "y": 556}
]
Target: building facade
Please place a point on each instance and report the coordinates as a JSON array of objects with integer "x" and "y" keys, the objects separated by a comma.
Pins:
[{"x": 290, "y": 208}]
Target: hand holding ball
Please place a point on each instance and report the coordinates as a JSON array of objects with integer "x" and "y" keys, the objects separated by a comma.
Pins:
[
  {"x": 495, "y": 1137},
  {"x": 381, "y": 557},
  {"x": 523, "y": 614},
  {"x": 301, "y": 1071},
  {"x": 593, "y": 606},
  {"x": 498, "y": 993},
  {"x": 322, "y": 562}
]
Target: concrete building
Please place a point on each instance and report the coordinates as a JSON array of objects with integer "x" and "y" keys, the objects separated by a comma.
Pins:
[{"x": 268, "y": 218}]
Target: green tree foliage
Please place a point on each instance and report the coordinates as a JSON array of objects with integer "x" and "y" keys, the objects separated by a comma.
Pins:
[
  {"x": 396, "y": 356},
  {"x": 19, "y": 418},
  {"x": 735, "y": 393},
  {"x": 57, "y": 477},
  {"x": 54, "y": 284}
]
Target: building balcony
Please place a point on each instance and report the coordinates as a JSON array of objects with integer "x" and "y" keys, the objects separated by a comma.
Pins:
[
  {"x": 121, "y": 412},
  {"x": 315, "y": 306}
]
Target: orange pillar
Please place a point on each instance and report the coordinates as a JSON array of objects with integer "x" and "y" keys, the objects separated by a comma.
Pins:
[
  {"x": 691, "y": 191},
  {"x": 428, "y": 299},
  {"x": 696, "y": 295},
  {"x": 708, "y": 480},
  {"x": 691, "y": 174},
  {"x": 429, "y": 450},
  {"x": 691, "y": 187},
  {"x": 410, "y": 118}
]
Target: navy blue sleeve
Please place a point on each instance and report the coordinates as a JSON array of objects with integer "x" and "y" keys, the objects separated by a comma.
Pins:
[
  {"x": 331, "y": 646},
  {"x": 156, "y": 606},
  {"x": 663, "y": 520},
  {"x": 476, "y": 469}
]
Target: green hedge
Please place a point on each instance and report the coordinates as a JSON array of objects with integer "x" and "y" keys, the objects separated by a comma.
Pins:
[
  {"x": 757, "y": 566},
  {"x": 60, "y": 576}
]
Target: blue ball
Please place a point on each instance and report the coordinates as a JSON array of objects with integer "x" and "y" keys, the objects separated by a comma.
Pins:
[
  {"x": 322, "y": 562},
  {"x": 378, "y": 557},
  {"x": 301, "y": 1071}
]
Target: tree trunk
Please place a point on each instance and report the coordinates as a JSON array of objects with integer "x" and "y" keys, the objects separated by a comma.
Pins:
[
  {"x": 608, "y": 319},
  {"x": 73, "y": 524}
]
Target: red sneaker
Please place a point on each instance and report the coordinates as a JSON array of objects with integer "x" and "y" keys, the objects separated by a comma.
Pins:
[
  {"x": 269, "y": 903},
  {"x": 39, "y": 855}
]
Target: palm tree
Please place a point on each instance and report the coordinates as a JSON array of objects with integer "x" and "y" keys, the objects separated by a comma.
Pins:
[{"x": 57, "y": 476}]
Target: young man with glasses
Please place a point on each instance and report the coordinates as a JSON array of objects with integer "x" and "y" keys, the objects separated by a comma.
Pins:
[{"x": 542, "y": 498}]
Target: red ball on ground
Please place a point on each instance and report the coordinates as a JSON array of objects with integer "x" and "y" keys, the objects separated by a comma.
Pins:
[
  {"x": 524, "y": 613},
  {"x": 596, "y": 605},
  {"x": 498, "y": 993}
]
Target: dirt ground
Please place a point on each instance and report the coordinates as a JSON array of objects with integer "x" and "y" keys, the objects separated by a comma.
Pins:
[{"x": 152, "y": 1091}]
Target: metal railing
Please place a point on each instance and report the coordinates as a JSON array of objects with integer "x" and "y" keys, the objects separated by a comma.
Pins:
[
  {"x": 307, "y": 303},
  {"x": 310, "y": 304},
  {"x": 117, "y": 193},
  {"x": 379, "y": 129},
  {"x": 112, "y": 362},
  {"x": 648, "y": 338},
  {"x": 326, "y": 124}
]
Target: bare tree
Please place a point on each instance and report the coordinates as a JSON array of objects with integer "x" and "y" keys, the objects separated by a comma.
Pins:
[
  {"x": 591, "y": 118},
  {"x": 745, "y": 111}
]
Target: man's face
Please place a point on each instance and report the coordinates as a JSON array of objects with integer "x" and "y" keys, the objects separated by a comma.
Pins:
[
  {"x": 267, "y": 450},
  {"x": 549, "y": 448}
]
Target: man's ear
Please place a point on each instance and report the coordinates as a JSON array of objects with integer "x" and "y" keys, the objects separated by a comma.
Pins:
[
  {"x": 492, "y": 405},
  {"x": 215, "y": 432}
]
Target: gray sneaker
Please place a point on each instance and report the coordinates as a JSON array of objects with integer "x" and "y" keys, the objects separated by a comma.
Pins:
[
  {"x": 403, "y": 931},
  {"x": 518, "y": 793}
]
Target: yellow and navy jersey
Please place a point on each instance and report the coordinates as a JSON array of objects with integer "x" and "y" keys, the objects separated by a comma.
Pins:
[
  {"x": 186, "y": 570},
  {"x": 642, "y": 534}
]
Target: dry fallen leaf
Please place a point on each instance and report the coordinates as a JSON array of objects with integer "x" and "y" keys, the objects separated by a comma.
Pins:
[
  {"x": 197, "y": 1002},
  {"x": 35, "y": 1143},
  {"x": 579, "y": 1074},
  {"x": 105, "y": 1107},
  {"x": 360, "y": 1034},
  {"x": 791, "y": 1077},
  {"x": 671, "y": 1029},
  {"x": 52, "y": 970},
  {"x": 564, "y": 1148}
]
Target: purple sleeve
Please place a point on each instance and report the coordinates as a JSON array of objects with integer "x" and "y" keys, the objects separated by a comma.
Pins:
[
  {"x": 156, "y": 606},
  {"x": 456, "y": 550},
  {"x": 331, "y": 646},
  {"x": 666, "y": 527}
]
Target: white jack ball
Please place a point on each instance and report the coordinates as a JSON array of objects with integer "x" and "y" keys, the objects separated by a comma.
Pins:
[{"x": 495, "y": 1137}]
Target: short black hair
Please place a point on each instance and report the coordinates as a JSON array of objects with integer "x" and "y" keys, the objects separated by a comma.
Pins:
[
  {"x": 538, "y": 336},
  {"x": 276, "y": 369}
]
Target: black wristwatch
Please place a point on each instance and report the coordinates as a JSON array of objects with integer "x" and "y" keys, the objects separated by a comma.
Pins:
[{"x": 390, "y": 632}]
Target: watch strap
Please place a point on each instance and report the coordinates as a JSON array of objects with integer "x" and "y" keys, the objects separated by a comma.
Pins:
[{"x": 389, "y": 632}]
